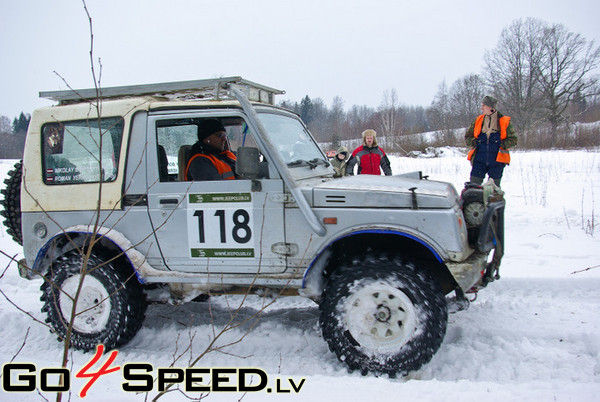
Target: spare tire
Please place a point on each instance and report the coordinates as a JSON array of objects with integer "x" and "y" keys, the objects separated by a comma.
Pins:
[{"x": 12, "y": 203}]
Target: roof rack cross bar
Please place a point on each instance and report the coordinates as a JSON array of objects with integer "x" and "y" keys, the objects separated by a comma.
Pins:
[{"x": 216, "y": 88}]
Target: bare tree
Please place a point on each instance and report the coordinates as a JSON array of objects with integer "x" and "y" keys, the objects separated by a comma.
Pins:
[
  {"x": 390, "y": 119},
  {"x": 337, "y": 119},
  {"x": 538, "y": 71},
  {"x": 318, "y": 124},
  {"x": 466, "y": 94},
  {"x": 512, "y": 72},
  {"x": 82, "y": 261},
  {"x": 568, "y": 61},
  {"x": 440, "y": 112},
  {"x": 359, "y": 119},
  {"x": 5, "y": 125}
]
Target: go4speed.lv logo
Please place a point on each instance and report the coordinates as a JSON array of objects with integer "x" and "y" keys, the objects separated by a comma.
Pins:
[{"x": 143, "y": 377}]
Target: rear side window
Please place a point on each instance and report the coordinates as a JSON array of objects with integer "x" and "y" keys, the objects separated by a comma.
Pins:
[{"x": 83, "y": 151}]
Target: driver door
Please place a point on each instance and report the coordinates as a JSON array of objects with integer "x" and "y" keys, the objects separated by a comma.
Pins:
[{"x": 225, "y": 226}]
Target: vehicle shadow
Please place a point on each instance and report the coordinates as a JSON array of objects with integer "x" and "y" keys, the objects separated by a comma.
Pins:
[{"x": 220, "y": 312}]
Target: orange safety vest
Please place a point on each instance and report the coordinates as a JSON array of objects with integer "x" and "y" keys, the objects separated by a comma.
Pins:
[
  {"x": 503, "y": 154},
  {"x": 223, "y": 168}
]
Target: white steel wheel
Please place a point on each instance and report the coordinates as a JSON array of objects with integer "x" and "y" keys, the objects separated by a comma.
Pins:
[
  {"x": 93, "y": 305},
  {"x": 110, "y": 306},
  {"x": 383, "y": 315},
  {"x": 380, "y": 317}
]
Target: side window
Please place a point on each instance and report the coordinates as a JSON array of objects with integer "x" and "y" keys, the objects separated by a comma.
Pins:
[
  {"x": 175, "y": 138},
  {"x": 81, "y": 151}
]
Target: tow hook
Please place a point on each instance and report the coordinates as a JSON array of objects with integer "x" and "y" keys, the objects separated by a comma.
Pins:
[{"x": 458, "y": 302}]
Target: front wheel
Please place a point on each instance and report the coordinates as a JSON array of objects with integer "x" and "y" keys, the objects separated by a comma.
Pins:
[
  {"x": 383, "y": 316},
  {"x": 110, "y": 306}
]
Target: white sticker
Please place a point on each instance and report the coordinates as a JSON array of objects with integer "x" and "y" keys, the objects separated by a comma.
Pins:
[{"x": 221, "y": 225}]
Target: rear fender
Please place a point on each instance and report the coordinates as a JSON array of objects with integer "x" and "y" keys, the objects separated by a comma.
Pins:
[{"x": 112, "y": 243}]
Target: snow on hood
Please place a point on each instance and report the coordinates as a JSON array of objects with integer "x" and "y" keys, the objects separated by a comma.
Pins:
[{"x": 368, "y": 191}]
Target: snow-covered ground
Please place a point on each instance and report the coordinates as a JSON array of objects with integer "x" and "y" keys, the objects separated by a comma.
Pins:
[{"x": 532, "y": 336}]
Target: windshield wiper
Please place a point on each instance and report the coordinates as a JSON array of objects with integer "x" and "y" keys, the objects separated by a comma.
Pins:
[
  {"x": 313, "y": 163},
  {"x": 316, "y": 161},
  {"x": 302, "y": 162}
]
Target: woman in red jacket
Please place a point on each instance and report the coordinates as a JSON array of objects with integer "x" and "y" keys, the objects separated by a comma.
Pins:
[{"x": 369, "y": 157}]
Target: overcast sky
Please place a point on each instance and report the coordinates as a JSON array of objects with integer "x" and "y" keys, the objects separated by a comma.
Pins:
[{"x": 325, "y": 48}]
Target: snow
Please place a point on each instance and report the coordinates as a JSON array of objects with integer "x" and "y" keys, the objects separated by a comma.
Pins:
[{"x": 531, "y": 336}]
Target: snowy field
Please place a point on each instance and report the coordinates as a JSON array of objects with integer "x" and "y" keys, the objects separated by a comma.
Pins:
[{"x": 532, "y": 336}]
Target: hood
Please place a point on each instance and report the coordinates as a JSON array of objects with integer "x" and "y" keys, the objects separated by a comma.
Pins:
[{"x": 368, "y": 191}]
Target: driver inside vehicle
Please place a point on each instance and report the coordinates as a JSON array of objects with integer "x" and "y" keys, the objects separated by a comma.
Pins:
[{"x": 210, "y": 158}]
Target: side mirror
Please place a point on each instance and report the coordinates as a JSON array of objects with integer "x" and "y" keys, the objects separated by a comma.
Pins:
[{"x": 247, "y": 163}]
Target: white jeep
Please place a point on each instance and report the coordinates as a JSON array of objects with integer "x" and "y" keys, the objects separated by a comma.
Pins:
[{"x": 378, "y": 254}]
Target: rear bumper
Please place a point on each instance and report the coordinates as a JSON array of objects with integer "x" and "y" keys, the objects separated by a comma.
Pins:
[{"x": 469, "y": 272}]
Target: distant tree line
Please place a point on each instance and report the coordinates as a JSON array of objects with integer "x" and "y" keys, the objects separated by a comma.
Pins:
[
  {"x": 542, "y": 74},
  {"x": 12, "y": 136},
  {"x": 334, "y": 124}
]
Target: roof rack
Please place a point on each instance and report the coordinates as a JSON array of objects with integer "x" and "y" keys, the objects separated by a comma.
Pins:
[{"x": 216, "y": 88}]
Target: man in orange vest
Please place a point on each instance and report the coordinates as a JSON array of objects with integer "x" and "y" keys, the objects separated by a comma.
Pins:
[
  {"x": 490, "y": 136},
  {"x": 210, "y": 160}
]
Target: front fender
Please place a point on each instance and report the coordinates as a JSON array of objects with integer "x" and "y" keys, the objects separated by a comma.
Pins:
[{"x": 313, "y": 281}]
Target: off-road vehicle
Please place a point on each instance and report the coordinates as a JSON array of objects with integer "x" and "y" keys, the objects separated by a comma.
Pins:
[{"x": 103, "y": 188}]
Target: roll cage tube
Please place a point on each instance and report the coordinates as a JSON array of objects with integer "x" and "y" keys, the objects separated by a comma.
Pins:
[{"x": 262, "y": 139}]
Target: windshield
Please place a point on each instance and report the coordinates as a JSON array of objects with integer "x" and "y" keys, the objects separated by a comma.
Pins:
[{"x": 295, "y": 145}]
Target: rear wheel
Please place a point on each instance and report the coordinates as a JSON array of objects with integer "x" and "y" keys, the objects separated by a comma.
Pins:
[
  {"x": 383, "y": 316},
  {"x": 110, "y": 306}
]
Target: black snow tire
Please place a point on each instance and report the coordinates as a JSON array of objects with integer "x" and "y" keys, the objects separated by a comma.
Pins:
[
  {"x": 11, "y": 203},
  {"x": 113, "y": 302},
  {"x": 383, "y": 316}
]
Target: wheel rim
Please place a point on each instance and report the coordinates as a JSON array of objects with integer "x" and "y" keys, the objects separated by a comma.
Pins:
[
  {"x": 93, "y": 305},
  {"x": 380, "y": 317}
]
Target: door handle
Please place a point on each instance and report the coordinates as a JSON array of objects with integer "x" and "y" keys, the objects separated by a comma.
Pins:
[{"x": 168, "y": 201}]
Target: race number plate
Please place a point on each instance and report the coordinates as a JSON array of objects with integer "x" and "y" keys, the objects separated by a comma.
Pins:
[{"x": 220, "y": 225}]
